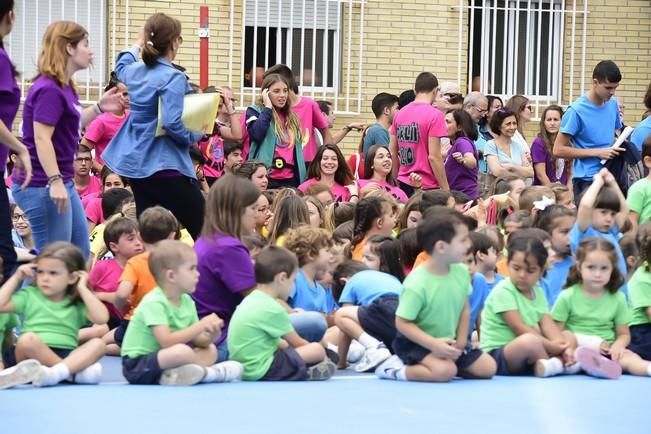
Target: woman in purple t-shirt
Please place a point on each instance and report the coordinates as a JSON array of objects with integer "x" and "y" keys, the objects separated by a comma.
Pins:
[
  {"x": 461, "y": 160},
  {"x": 547, "y": 168},
  {"x": 9, "y": 102},
  {"x": 51, "y": 118}
]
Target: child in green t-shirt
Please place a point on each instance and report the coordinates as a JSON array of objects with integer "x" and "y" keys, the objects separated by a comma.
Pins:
[
  {"x": 260, "y": 334},
  {"x": 155, "y": 349},
  {"x": 595, "y": 312},
  {"x": 433, "y": 313},
  {"x": 516, "y": 328},
  {"x": 639, "y": 293},
  {"x": 53, "y": 311},
  {"x": 638, "y": 196}
]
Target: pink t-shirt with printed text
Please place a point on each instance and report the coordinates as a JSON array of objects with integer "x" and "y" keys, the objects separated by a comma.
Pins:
[
  {"x": 310, "y": 115},
  {"x": 340, "y": 193},
  {"x": 102, "y": 130},
  {"x": 413, "y": 126},
  {"x": 104, "y": 277},
  {"x": 393, "y": 190}
]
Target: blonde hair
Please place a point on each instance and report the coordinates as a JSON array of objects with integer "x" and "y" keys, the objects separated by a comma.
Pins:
[
  {"x": 168, "y": 255},
  {"x": 53, "y": 59}
]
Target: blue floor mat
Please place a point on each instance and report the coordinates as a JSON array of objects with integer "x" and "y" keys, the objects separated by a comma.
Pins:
[{"x": 348, "y": 403}]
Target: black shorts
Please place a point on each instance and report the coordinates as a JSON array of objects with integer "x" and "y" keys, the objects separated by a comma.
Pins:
[
  {"x": 641, "y": 340},
  {"x": 9, "y": 357},
  {"x": 411, "y": 353},
  {"x": 502, "y": 368},
  {"x": 286, "y": 366},
  {"x": 120, "y": 331},
  {"x": 113, "y": 322},
  {"x": 378, "y": 319},
  {"x": 142, "y": 370}
]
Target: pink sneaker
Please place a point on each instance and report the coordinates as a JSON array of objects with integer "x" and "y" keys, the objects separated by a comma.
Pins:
[{"x": 596, "y": 365}]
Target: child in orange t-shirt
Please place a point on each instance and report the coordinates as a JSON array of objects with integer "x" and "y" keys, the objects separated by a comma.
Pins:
[
  {"x": 156, "y": 224},
  {"x": 373, "y": 216}
]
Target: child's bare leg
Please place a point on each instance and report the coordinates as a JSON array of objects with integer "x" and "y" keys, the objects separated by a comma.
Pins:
[
  {"x": 206, "y": 356},
  {"x": 331, "y": 335},
  {"x": 85, "y": 355},
  {"x": 483, "y": 367},
  {"x": 432, "y": 368},
  {"x": 177, "y": 355},
  {"x": 311, "y": 353},
  {"x": 88, "y": 333},
  {"x": 30, "y": 346},
  {"x": 524, "y": 350},
  {"x": 634, "y": 364},
  {"x": 112, "y": 349},
  {"x": 348, "y": 322},
  {"x": 342, "y": 350}
]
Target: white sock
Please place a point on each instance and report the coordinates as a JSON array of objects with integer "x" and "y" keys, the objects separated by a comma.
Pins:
[
  {"x": 401, "y": 374},
  {"x": 573, "y": 369},
  {"x": 553, "y": 366},
  {"x": 332, "y": 347},
  {"x": 90, "y": 375},
  {"x": 211, "y": 375},
  {"x": 54, "y": 375},
  {"x": 368, "y": 341},
  {"x": 648, "y": 370}
]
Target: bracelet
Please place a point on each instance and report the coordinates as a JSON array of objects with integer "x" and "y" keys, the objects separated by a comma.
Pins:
[
  {"x": 354, "y": 195},
  {"x": 98, "y": 109},
  {"x": 53, "y": 178}
]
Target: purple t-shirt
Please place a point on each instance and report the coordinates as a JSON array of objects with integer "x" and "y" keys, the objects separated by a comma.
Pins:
[
  {"x": 555, "y": 172},
  {"x": 459, "y": 176},
  {"x": 9, "y": 100},
  {"x": 225, "y": 270},
  {"x": 53, "y": 105}
]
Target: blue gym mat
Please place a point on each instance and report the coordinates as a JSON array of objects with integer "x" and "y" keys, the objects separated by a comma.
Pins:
[{"x": 348, "y": 403}]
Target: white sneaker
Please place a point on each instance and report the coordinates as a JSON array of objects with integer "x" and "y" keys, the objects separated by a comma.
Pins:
[
  {"x": 23, "y": 373},
  {"x": 372, "y": 358},
  {"x": 389, "y": 369},
  {"x": 228, "y": 371},
  {"x": 548, "y": 367},
  {"x": 185, "y": 375},
  {"x": 355, "y": 352}
]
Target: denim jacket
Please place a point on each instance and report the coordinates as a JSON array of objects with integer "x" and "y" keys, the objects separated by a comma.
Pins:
[{"x": 135, "y": 152}]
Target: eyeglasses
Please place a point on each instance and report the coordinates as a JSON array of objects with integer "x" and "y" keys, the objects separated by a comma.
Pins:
[
  {"x": 85, "y": 160},
  {"x": 480, "y": 110},
  {"x": 451, "y": 95},
  {"x": 19, "y": 217}
]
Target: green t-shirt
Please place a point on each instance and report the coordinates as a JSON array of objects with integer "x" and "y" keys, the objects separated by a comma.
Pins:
[
  {"x": 435, "y": 303},
  {"x": 56, "y": 323},
  {"x": 591, "y": 316},
  {"x": 7, "y": 322},
  {"x": 154, "y": 310},
  {"x": 505, "y": 297},
  {"x": 254, "y": 333},
  {"x": 639, "y": 295},
  {"x": 638, "y": 199}
]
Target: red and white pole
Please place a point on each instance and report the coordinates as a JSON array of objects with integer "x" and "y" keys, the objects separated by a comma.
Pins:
[{"x": 204, "y": 35}]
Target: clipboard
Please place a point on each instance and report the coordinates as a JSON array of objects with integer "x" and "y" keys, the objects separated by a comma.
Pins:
[{"x": 199, "y": 113}]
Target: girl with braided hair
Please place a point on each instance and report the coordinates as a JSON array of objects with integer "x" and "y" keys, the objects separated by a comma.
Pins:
[{"x": 373, "y": 216}]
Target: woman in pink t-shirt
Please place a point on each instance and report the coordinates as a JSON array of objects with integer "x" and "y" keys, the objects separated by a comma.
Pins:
[
  {"x": 377, "y": 168},
  {"x": 101, "y": 131},
  {"x": 329, "y": 167}
]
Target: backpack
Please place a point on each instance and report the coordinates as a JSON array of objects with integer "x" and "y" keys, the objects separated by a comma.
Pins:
[{"x": 627, "y": 167}]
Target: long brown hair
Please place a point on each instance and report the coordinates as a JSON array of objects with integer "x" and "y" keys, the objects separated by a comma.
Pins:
[
  {"x": 592, "y": 244},
  {"x": 290, "y": 211},
  {"x": 160, "y": 33},
  {"x": 53, "y": 59},
  {"x": 72, "y": 258},
  {"x": 516, "y": 104},
  {"x": 343, "y": 176},
  {"x": 548, "y": 140},
  {"x": 291, "y": 125},
  {"x": 368, "y": 164},
  {"x": 226, "y": 202}
]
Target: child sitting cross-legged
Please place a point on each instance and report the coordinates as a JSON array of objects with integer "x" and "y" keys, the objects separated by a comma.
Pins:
[
  {"x": 433, "y": 314},
  {"x": 260, "y": 333},
  {"x": 156, "y": 346}
]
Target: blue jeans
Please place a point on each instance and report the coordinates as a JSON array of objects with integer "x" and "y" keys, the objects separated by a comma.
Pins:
[
  {"x": 47, "y": 224},
  {"x": 311, "y": 326}
]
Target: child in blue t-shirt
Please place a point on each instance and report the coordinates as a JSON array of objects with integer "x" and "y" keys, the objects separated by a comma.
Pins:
[
  {"x": 369, "y": 300},
  {"x": 480, "y": 287},
  {"x": 557, "y": 220},
  {"x": 602, "y": 211},
  {"x": 486, "y": 255}
]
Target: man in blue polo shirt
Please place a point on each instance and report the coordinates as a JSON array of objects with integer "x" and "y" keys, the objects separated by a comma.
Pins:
[{"x": 588, "y": 127}]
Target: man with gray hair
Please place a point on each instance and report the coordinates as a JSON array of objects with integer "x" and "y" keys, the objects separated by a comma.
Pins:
[
  {"x": 476, "y": 105},
  {"x": 447, "y": 91}
]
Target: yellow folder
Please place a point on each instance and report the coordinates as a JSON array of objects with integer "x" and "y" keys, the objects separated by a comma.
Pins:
[{"x": 199, "y": 113}]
